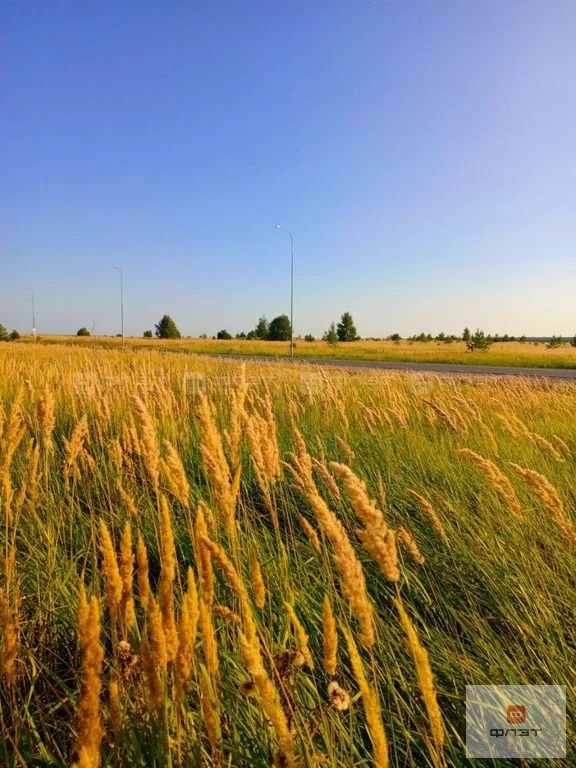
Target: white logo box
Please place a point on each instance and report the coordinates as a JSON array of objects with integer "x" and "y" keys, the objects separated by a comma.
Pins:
[{"x": 515, "y": 721}]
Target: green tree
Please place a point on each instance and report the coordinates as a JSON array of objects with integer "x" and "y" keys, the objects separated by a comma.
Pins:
[
  {"x": 251, "y": 335},
  {"x": 147, "y": 334},
  {"x": 346, "y": 329},
  {"x": 479, "y": 341},
  {"x": 522, "y": 339},
  {"x": 331, "y": 335},
  {"x": 223, "y": 334},
  {"x": 14, "y": 335},
  {"x": 262, "y": 329},
  {"x": 82, "y": 332},
  {"x": 280, "y": 329},
  {"x": 395, "y": 337},
  {"x": 309, "y": 337},
  {"x": 466, "y": 335},
  {"x": 241, "y": 335},
  {"x": 4, "y": 336},
  {"x": 167, "y": 329},
  {"x": 555, "y": 342},
  {"x": 573, "y": 342}
]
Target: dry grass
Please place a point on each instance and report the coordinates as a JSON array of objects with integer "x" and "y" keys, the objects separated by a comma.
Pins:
[
  {"x": 238, "y": 615},
  {"x": 529, "y": 354}
]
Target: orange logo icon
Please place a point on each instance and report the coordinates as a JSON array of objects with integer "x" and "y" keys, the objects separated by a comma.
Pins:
[{"x": 516, "y": 713}]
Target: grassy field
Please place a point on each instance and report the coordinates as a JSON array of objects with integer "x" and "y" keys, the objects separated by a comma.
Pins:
[
  {"x": 529, "y": 354},
  {"x": 212, "y": 563}
]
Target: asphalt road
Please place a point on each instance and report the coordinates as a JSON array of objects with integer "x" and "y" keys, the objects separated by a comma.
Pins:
[{"x": 478, "y": 370}]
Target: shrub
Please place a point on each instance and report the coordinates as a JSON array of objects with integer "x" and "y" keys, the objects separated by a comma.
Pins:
[
  {"x": 309, "y": 337},
  {"x": 555, "y": 342},
  {"x": 479, "y": 341},
  {"x": 82, "y": 332},
  {"x": 147, "y": 334},
  {"x": 223, "y": 334},
  {"x": 4, "y": 335},
  {"x": 14, "y": 335},
  {"x": 331, "y": 335}
]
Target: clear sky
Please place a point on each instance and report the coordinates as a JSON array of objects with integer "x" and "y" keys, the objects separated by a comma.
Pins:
[{"x": 423, "y": 152}]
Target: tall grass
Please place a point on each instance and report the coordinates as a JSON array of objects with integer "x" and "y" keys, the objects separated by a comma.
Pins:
[
  {"x": 206, "y": 562},
  {"x": 528, "y": 354}
]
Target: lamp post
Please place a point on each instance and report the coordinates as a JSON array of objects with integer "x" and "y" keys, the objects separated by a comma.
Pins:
[
  {"x": 26, "y": 288},
  {"x": 277, "y": 226},
  {"x": 111, "y": 266}
]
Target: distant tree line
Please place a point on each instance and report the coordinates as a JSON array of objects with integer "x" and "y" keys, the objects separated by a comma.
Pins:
[
  {"x": 475, "y": 341},
  {"x": 279, "y": 329}
]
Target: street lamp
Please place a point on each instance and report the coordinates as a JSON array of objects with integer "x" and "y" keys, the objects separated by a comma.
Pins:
[
  {"x": 111, "y": 266},
  {"x": 277, "y": 226},
  {"x": 26, "y": 288}
]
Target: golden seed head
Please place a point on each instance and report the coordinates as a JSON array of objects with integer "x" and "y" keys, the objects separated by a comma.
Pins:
[
  {"x": 379, "y": 540},
  {"x": 142, "y": 575},
  {"x": 430, "y": 513},
  {"x": 257, "y": 580},
  {"x": 301, "y": 635},
  {"x": 88, "y": 712},
  {"x": 176, "y": 475},
  {"x": 148, "y": 441},
  {"x": 371, "y": 705},
  {"x": 425, "y": 677},
  {"x": 114, "y": 586},
  {"x": 330, "y": 637}
]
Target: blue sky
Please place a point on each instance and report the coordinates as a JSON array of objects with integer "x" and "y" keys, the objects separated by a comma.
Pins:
[{"x": 422, "y": 153}]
